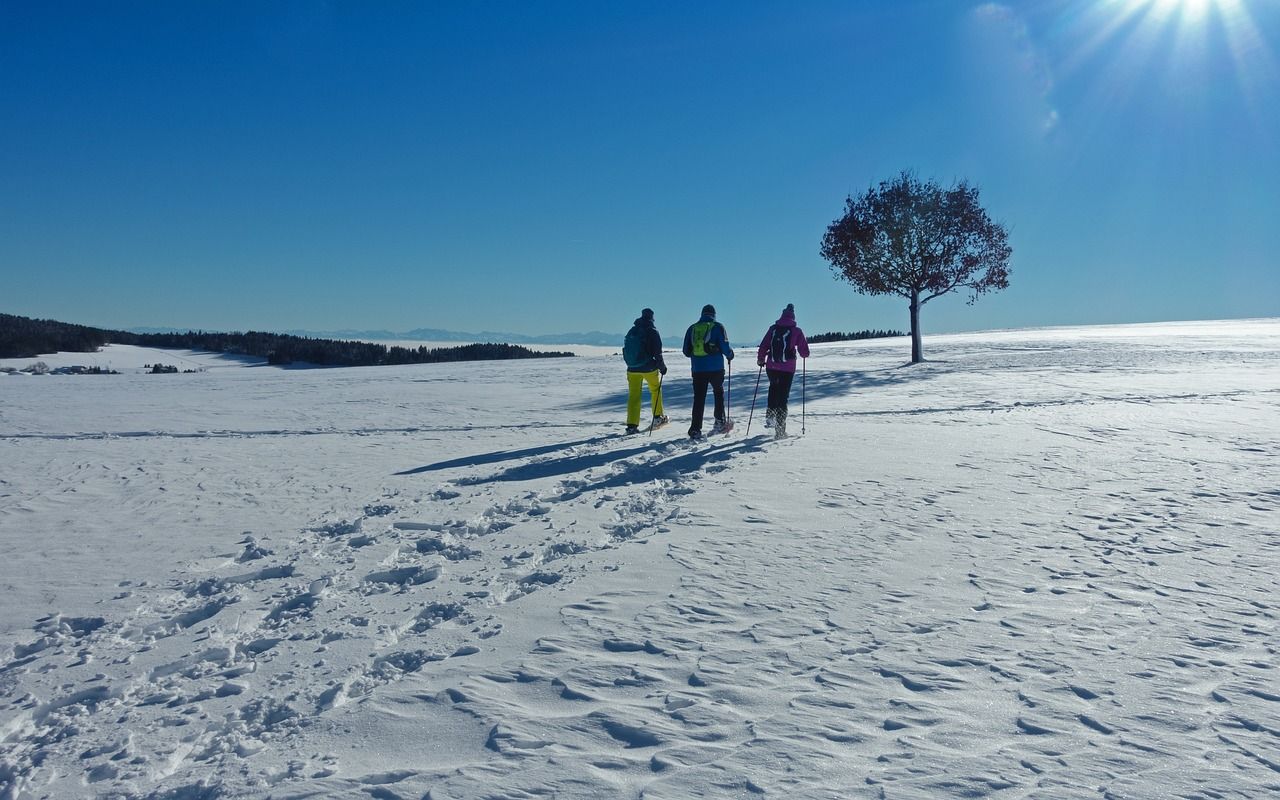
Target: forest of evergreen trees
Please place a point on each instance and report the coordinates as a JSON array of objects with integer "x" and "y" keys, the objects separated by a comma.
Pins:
[
  {"x": 21, "y": 337},
  {"x": 849, "y": 337}
]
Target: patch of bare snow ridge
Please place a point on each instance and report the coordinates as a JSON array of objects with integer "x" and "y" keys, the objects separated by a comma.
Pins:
[{"x": 1042, "y": 564}]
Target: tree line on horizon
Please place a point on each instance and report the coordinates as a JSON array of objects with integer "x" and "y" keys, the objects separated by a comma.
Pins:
[
  {"x": 851, "y": 336},
  {"x": 23, "y": 337}
]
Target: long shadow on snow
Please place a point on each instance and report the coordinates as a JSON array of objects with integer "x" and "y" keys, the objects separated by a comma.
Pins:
[
  {"x": 677, "y": 393},
  {"x": 682, "y": 464},
  {"x": 502, "y": 455}
]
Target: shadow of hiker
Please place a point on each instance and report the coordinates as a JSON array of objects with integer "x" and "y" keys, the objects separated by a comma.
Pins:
[
  {"x": 687, "y": 461},
  {"x": 502, "y": 455},
  {"x": 684, "y": 464},
  {"x": 820, "y": 384},
  {"x": 551, "y": 468}
]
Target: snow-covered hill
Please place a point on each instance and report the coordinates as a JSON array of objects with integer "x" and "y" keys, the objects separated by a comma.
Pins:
[{"x": 1042, "y": 564}]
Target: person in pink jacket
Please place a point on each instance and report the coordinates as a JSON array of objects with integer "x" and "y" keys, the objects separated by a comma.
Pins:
[{"x": 782, "y": 343}]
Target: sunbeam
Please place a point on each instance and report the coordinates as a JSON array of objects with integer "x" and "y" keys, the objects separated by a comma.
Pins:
[{"x": 1177, "y": 38}]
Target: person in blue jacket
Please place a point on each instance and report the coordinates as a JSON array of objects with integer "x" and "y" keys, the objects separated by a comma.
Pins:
[{"x": 706, "y": 344}]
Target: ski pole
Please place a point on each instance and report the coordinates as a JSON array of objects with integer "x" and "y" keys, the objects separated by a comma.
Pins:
[
  {"x": 753, "y": 402},
  {"x": 653, "y": 417},
  {"x": 804, "y": 369},
  {"x": 728, "y": 392}
]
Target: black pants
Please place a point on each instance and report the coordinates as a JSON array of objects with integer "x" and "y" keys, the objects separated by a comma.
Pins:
[
  {"x": 700, "y": 382},
  {"x": 779, "y": 388}
]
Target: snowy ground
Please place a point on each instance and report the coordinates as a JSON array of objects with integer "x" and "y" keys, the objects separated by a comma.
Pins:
[
  {"x": 1043, "y": 564},
  {"x": 128, "y": 358}
]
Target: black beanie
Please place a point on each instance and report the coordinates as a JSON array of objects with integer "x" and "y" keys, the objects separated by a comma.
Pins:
[
  {"x": 709, "y": 309},
  {"x": 646, "y": 313}
]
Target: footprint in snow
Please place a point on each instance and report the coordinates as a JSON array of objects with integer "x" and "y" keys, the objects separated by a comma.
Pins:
[{"x": 404, "y": 576}]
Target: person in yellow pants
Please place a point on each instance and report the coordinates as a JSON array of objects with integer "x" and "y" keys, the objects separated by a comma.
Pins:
[
  {"x": 634, "y": 382},
  {"x": 642, "y": 350}
]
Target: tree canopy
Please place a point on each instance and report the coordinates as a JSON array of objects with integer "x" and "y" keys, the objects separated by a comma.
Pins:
[{"x": 918, "y": 240}]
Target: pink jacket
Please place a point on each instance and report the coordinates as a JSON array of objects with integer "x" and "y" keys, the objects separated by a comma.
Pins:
[{"x": 795, "y": 343}]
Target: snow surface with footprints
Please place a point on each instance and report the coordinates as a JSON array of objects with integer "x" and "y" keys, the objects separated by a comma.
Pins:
[{"x": 1042, "y": 564}]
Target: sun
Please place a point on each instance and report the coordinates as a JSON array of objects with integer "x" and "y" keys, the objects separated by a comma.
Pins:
[{"x": 1187, "y": 34}]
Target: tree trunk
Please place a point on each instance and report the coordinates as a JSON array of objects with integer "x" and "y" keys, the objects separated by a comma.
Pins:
[{"x": 917, "y": 352}]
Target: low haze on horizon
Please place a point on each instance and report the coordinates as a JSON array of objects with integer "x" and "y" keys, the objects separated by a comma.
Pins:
[{"x": 541, "y": 169}]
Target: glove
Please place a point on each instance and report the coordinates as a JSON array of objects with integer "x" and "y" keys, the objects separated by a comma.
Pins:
[
  {"x": 729, "y": 356},
  {"x": 662, "y": 370},
  {"x": 759, "y": 362}
]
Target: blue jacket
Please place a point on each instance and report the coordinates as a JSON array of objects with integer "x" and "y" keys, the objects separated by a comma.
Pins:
[{"x": 713, "y": 362}]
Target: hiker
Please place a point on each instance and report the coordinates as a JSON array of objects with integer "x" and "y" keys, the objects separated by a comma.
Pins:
[
  {"x": 706, "y": 344},
  {"x": 777, "y": 354},
  {"x": 642, "y": 350}
]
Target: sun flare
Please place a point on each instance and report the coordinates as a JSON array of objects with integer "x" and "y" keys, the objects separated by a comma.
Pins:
[
  {"x": 1189, "y": 10},
  {"x": 1187, "y": 33}
]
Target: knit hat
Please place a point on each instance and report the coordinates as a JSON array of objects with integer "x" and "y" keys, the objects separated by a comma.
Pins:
[
  {"x": 789, "y": 311},
  {"x": 709, "y": 310},
  {"x": 646, "y": 313}
]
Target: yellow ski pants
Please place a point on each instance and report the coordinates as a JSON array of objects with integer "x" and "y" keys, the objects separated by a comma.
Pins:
[{"x": 634, "y": 382}]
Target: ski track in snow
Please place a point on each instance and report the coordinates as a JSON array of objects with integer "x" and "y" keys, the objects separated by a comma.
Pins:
[{"x": 1055, "y": 597}]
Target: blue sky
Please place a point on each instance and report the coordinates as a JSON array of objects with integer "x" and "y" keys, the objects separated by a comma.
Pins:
[{"x": 549, "y": 167}]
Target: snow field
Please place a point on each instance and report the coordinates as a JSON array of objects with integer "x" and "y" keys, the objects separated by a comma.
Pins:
[{"x": 1040, "y": 565}]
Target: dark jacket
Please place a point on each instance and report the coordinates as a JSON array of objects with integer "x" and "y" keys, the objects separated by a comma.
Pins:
[{"x": 652, "y": 345}]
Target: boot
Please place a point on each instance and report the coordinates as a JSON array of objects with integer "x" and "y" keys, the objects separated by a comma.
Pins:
[
  {"x": 780, "y": 424},
  {"x": 768, "y": 418}
]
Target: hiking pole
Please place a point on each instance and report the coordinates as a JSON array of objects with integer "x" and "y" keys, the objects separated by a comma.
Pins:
[
  {"x": 654, "y": 417},
  {"x": 728, "y": 396},
  {"x": 753, "y": 403},
  {"x": 804, "y": 365}
]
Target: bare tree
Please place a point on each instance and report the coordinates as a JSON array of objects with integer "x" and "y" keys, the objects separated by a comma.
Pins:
[{"x": 920, "y": 241}]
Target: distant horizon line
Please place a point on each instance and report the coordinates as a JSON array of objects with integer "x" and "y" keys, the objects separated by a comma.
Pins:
[
  {"x": 604, "y": 338},
  {"x": 594, "y": 338}
]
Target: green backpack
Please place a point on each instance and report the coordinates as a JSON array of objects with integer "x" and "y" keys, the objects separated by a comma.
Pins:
[{"x": 701, "y": 338}]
